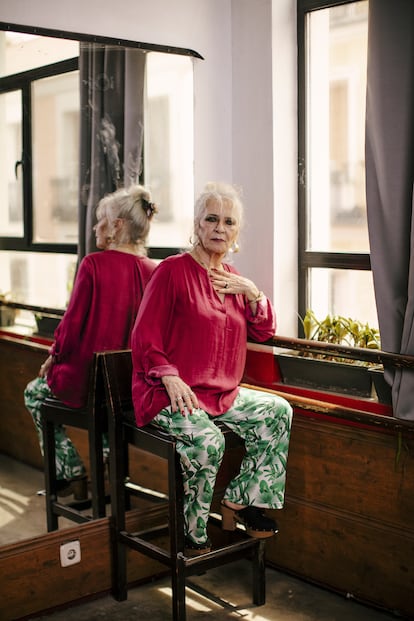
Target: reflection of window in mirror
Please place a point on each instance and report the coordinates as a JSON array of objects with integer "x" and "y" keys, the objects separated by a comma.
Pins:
[
  {"x": 168, "y": 146},
  {"x": 40, "y": 120}
]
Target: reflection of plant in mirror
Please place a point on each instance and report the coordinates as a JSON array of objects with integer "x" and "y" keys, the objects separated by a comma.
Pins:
[
  {"x": 339, "y": 330},
  {"x": 70, "y": 279},
  {"x": 7, "y": 314}
]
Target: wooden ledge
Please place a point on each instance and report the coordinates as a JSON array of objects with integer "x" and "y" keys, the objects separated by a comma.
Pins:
[{"x": 339, "y": 411}]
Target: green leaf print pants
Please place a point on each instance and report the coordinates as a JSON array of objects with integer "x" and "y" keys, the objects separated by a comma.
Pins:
[
  {"x": 264, "y": 421},
  {"x": 69, "y": 464}
]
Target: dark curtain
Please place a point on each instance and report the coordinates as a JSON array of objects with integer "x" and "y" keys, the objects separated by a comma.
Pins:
[
  {"x": 112, "y": 88},
  {"x": 389, "y": 183}
]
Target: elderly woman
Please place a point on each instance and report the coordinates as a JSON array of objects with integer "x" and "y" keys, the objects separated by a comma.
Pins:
[
  {"x": 100, "y": 316},
  {"x": 189, "y": 352}
]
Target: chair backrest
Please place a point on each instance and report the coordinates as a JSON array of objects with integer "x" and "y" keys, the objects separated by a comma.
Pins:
[
  {"x": 95, "y": 400},
  {"x": 116, "y": 369}
]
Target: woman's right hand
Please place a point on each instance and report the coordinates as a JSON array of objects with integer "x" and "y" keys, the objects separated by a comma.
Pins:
[
  {"x": 45, "y": 366},
  {"x": 180, "y": 394}
]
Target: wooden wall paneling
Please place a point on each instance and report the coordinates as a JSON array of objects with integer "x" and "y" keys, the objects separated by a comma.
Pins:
[
  {"x": 19, "y": 363},
  {"x": 33, "y": 581},
  {"x": 348, "y": 521},
  {"x": 353, "y": 469}
]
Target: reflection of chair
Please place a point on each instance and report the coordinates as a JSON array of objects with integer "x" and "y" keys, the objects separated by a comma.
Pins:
[
  {"x": 117, "y": 370},
  {"x": 93, "y": 418}
]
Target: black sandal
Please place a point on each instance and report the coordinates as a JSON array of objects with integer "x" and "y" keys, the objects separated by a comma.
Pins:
[
  {"x": 255, "y": 521},
  {"x": 78, "y": 487},
  {"x": 196, "y": 549}
]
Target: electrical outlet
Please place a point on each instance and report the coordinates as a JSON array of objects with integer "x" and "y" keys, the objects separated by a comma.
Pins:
[{"x": 70, "y": 553}]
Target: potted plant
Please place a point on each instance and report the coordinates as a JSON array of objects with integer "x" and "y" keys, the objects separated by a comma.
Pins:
[
  {"x": 7, "y": 313},
  {"x": 47, "y": 323},
  {"x": 327, "y": 372}
]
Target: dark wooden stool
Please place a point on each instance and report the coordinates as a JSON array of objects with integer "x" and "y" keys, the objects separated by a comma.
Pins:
[
  {"x": 93, "y": 418},
  {"x": 117, "y": 369}
]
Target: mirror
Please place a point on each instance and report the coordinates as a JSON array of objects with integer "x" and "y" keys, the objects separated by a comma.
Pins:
[{"x": 40, "y": 110}]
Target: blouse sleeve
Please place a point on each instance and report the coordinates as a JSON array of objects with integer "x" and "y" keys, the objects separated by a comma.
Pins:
[
  {"x": 154, "y": 321},
  {"x": 262, "y": 325},
  {"x": 69, "y": 331}
]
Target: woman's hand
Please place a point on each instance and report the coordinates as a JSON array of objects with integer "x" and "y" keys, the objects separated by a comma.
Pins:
[
  {"x": 43, "y": 371},
  {"x": 227, "y": 282},
  {"x": 180, "y": 394}
]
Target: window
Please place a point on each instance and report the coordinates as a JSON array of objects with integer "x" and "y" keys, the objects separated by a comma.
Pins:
[
  {"x": 335, "y": 274},
  {"x": 39, "y": 166}
]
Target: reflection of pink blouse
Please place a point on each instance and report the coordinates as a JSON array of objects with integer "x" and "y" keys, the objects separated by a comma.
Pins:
[
  {"x": 184, "y": 329},
  {"x": 101, "y": 313}
]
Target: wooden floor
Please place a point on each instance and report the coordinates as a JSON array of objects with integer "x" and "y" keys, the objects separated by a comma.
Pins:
[
  {"x": 22, "y": 505},
  {"x": 288, "y": 599}
]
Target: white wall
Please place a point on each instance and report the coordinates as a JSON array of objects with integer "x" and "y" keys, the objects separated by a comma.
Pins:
[
  {"x": 244, "y": 105},
  {"x": 284, "y": 54}
]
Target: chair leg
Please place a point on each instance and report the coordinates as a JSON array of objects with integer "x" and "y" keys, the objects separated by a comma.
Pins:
[
  {"x": 118, "y": 507},
  {"x": 176, "y": 533},
  {"x": 97, "y": 470},
  {"x": 259, "y": 574},
  {"x": 49, "y": 452},
  {"x": 178, "y": 590},
  {"x": 119, "y": 580}
]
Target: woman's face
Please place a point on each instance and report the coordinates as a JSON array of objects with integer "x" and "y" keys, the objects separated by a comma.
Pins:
[
  {"x": 219, "y": 227},
  {"x": 101, "y": 232}
]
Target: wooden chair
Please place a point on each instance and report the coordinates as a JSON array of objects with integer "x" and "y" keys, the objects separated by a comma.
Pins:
[
  {"x": 93, "y": 418},
  {"x": 123, "y": 432}
]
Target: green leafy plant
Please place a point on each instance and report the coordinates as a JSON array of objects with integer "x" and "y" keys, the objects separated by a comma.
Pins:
[
  {"x": 339, "y": 330},
  {"x": 7, "y": 314}
]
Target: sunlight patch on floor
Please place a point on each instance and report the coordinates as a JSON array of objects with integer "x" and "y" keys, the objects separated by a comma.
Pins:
[
  {"x": 209, "y": 606},
  {"x": 11, "y": 504}
]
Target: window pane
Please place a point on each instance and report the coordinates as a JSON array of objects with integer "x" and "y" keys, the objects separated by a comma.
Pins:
[
  {"x": 336, "y": 84},
  {"x": 37, "y": 279},
  {"x": 11, "y": 179},
  {"x": 349, "y": 293},
  {"x": 55, "y": 133},
  {"x": 21, "y": 52},
  {"x": 168, "y": 146}
]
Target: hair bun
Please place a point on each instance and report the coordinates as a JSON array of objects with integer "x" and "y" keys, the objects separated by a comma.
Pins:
[{"x": 149, "y": 208}]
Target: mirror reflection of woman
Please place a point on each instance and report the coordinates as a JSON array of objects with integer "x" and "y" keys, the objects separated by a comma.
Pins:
[
  {"x": 107, "y": 291},
  {"x": 189, "y": 351}
]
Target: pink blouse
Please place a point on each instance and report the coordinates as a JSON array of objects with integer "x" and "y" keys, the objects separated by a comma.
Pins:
[
  {"x": 183, "y": 328},
  {"x": 100, "y": 316}
]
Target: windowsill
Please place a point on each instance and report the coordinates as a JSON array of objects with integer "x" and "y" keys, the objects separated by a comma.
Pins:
[{"x": 24, "y": 333}]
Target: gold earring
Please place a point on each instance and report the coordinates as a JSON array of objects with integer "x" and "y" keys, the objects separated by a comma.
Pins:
[{"x": 235, "y": 247}]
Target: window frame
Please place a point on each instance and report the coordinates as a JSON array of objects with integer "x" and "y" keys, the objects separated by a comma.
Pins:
[
  {"x": 309, "y": 258},
  {"x": 23, "y": 82}
]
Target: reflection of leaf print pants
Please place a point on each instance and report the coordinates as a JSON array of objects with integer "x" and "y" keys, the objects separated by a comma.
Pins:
[
  {"x": 263, "y": 420},
  {"x": 69, "y": 464}
]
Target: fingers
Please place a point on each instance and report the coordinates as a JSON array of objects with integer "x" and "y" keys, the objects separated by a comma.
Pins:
[
  {"x": 44, "y": 368},
  {"x": 187, "y": 400},
  {"x": 221, "y": 281},
  {"x": 227, "y": 282},
  {"x": 181, "y": 396}
]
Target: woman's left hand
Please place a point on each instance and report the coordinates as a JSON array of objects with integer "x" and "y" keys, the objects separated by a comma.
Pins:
[{"x": 228, "y": 282}]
